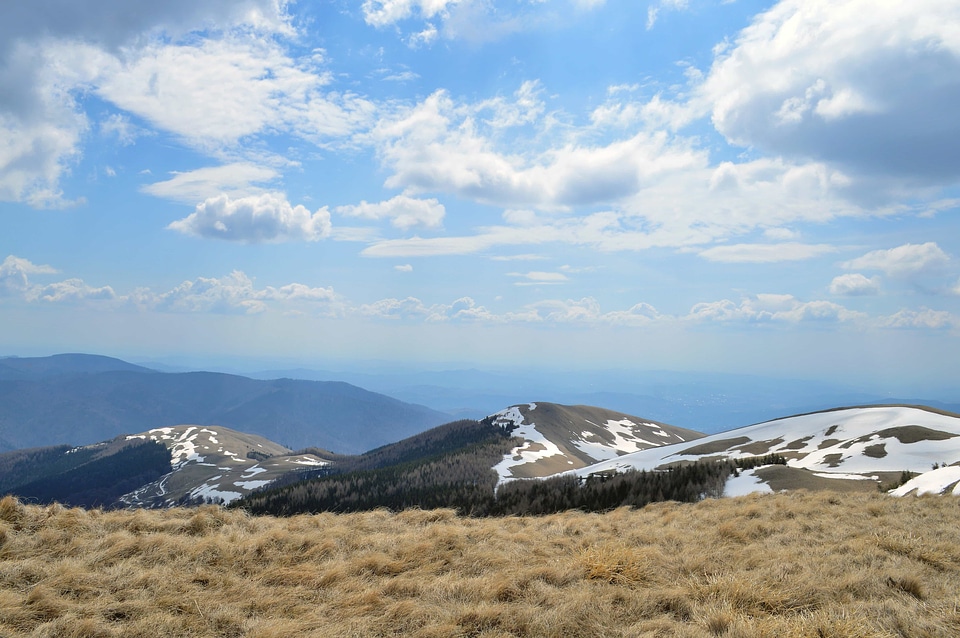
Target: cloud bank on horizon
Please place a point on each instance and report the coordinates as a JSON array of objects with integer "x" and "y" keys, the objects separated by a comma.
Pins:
[{"x": 700, "y": 169}]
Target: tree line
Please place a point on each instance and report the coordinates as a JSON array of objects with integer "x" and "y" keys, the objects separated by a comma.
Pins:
[{"x": 450, "y": 467}]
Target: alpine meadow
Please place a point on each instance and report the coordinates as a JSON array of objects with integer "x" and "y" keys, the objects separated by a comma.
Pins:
[{"x": 480, "y": 318}]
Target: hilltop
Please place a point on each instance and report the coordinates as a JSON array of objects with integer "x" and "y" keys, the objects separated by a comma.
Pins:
[{"x": 843, "y": 448}]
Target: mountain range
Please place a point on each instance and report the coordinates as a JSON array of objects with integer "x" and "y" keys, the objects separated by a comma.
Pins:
[
  {"x": 188, "y": 448},
  {"x": 80, "y": 399}
]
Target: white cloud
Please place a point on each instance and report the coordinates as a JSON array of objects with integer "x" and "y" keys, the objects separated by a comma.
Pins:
[
  {"x": 907, "y": 260},
  {"x": 463, "y": 309},
  {"x": 236, "y": 180},
  {"x": 537, "y": 277},
  {"x": 40, "y": 127},
  {"x": 521, "y": 257},
  {"x": 780, "y": 234},
  {"x": 923, "y": 318},
  {"x": 268, "y": 217},
  {"x": 381, "y": 13},
  {"x": 867, "y": 87},
  {"x": 396, "y": 308},
  {"x": 402, "y": 211},
  {"x": 854, "y": 284},
  {"x": 653, "y": 11},
  {"x": 772, "y": 308},
  {"x": 439, "y": 146},
  {"x": 680, "y": 210},
  {"x": 584, "y": 311},
  {"x": 216, "y": 93},
  {"x": 15, "y": 274},
  {"x": 765, "y": 253},
  {"x": 403, "y": 268},
  {"x": 234, "y": 293},
  {"x": 423, "y": 38},
  {"x": 119, "y": 126},
  {"x": 52, "y": 49},
  {"x": 116, "y": 22},
  {"x": 70, "y": 291}
]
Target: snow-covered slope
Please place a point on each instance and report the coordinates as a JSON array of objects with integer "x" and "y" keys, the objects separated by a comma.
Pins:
[
  {"x": 558, "y": 438},
  {"x": 214, "y": 463},
  {"x": 867, "y": 444}
]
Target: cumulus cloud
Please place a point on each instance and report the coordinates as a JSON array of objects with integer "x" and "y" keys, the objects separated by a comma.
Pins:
[
  {"x": 867, "y": 88},
  {"x": 233, "y": 294},
  {"x": 923, "y": 318},
  {"x": 40, "y": 127},
  {"x": 440, "y": 145},
  {"x": 854, "y": 284},
  {"x": 260, "y": 218},
  {"x": 402, "y": 211},
  {"x": 15, "y": 274},
  {"x": 586, "y": 311},
  {"x": 765, "y": 253},
  {"x": 70, "y": 290},
  {"x": 51, "y": 49},
  {"x": 907, "y": 260},
  {"x": 463, "y": 309},
  {"x": 772, "y": 308}
]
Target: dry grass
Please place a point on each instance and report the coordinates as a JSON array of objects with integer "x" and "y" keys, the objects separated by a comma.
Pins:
[{"x": 799, "y": 564}]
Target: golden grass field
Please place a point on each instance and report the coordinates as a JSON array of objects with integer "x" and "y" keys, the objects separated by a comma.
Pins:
[{"x": 790, "y": 564}]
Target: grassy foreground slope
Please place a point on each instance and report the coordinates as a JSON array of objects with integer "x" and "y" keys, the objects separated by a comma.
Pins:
[{"x": 797, "y": 564}]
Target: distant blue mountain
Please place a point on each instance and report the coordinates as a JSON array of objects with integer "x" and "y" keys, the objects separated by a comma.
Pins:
[
  {"x": 81, "y": 399},
  {"x": 60, "y": 364}
]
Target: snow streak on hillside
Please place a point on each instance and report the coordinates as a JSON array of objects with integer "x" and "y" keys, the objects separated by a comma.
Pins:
[
  {"x": 558, "y": 438},
  {"x": 844, "y": 444},
  {"x": 214, "y": 465}
]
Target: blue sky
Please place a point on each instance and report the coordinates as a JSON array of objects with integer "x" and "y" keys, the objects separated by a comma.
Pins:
[{"x": 767, "y": 187}]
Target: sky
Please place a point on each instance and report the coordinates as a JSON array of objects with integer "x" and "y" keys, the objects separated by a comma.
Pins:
[{"x": 724, "y": 186}]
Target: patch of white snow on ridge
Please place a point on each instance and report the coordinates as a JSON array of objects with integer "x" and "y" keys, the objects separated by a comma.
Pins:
[
  {"x": 184, "y": 449},
  {"x": 746, "y": 483},
  {"x": 250, "y": 485},
  {"x": 803, "y": 435},
  {"x": 533, "y": 406},
  {"x": 625, "y": 440},
  {"x": 932, "y": 482},
  {"x": 305, "y": 460},
  {"x": 535, "y": 447},
  {"x": 848, "y": 477},
  {"x": 253, "y": 471},
  {"x": 211, "y": 491}
]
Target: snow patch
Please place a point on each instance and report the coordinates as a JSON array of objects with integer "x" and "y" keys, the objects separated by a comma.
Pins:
[
  {"x": 932, "y": 482},
  {"x": 848, "y": 477},
  {"x": 746, "y": 483},
  {"x": 306, "y": 460},
  {"x": 535, "y": 446},
  {"x": 250, "y": 485},
  {"x": 625, "y": 439}
]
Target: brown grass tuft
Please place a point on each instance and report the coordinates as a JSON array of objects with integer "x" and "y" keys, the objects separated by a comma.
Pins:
[{"x": 795, "y": 564}]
